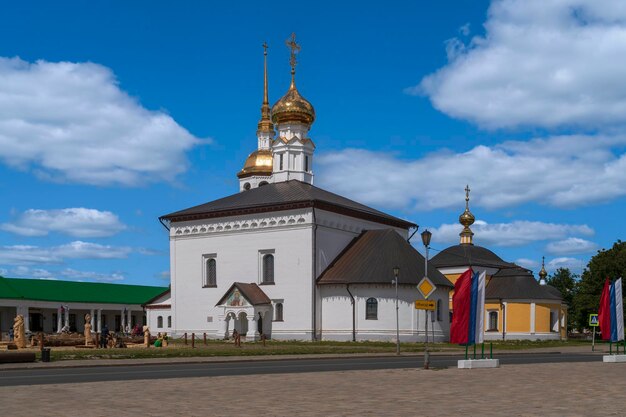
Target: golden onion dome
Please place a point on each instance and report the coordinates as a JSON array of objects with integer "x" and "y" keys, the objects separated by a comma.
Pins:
[
  {"x": 259, "y": 162},
  {"x": 467, "y": 218},
  {"x": 292, "y": 107}
]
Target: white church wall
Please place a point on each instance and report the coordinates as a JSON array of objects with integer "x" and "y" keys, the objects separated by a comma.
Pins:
[
  {"x": 336, "y": 231},
  {"x": 337, "y": 314},
  {"x": 237, "y": 244}
]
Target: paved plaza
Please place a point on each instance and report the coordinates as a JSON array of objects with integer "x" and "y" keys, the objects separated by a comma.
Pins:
[{"x": 573, "y": 389}]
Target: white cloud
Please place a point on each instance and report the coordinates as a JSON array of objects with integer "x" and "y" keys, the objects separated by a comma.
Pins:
[
  {"x": 164, "y": 275},
  {"x": 29, "y": 255},
  {"x": 93, "y": 276},
  {"x": 67, "y": 273},
  {"x": 571, "y": 246},
  {"x": 527, "y": 263},
  {"x": 548, "y": 63},
  {"x": 561, "y": 171},
  {"x": 77, "y": 222},
  {"x": 71, "y": 122},
  {"x": 516, "y": 233},
  {"x": 573, "y": 264},
  {"x": 26, "y": 272}
]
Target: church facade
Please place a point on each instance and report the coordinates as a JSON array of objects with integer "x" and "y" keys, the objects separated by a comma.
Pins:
[{"x": 284, "y": 259}]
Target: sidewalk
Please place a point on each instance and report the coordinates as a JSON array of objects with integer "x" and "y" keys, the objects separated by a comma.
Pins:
[
  {"x": 539, "y": 390},
  {"x": 217, "y": 359}
]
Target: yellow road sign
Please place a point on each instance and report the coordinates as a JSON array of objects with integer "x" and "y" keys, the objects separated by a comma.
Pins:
[
  {"x": 425, "y": 305},
  {"x": 426, "y": 287}
]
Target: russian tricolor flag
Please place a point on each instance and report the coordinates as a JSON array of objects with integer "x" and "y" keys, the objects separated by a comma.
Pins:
[
  {"x": 611, "y": 312},
  {"x": 468, "y": 305}
]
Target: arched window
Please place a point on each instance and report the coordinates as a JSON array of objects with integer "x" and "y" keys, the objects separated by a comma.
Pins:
[
  {"x": 280, "y": 162},
  {"x": 438, "y": 310},
  {"x": 493, "y": 321},
  {"x": 160, "y": 322},
  {"x": 268, "y": 269},
  {"x": 371, "y": 309},
  {"x": 306, "y": 163},
  {"x": 210, "y": 279},
  {"x": 262, "y": 183},
  {"x": 278, "y": 312},
  {"x": 169, "y": 321}
]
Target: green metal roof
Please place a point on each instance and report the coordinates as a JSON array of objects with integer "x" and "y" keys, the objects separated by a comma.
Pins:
[{"x": 79, "y": 292}]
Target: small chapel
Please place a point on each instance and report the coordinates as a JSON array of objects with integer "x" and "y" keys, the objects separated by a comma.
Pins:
[
  {"x": 284, "y": 259},
  {"x": 517, "y": 306}
]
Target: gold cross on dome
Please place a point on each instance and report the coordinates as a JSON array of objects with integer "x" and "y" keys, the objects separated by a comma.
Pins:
[
  {"x": 264, "y": 48},
  {"x": 295, "y": 48},
  {"x": 467, "y": 191}
]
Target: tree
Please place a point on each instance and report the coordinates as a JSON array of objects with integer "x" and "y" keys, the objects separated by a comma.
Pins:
[
  {"x": 567, "y": 283},
  {"x": 607, "y": 263}
]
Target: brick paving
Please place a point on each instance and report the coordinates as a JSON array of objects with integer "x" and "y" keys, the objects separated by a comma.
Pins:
[{"x": 575, "y": 389}]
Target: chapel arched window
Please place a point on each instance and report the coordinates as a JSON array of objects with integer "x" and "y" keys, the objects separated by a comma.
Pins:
[{"x": 371, "y": 309}]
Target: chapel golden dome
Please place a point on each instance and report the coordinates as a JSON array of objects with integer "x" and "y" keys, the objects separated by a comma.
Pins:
[
  {"x": 292, "y": 107},
  {"x": 259, "y": 162}
]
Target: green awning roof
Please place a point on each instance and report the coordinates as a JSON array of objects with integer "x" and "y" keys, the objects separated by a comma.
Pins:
[{"x": 78, "y": 292}]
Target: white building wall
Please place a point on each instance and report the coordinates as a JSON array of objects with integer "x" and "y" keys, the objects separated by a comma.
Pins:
[
  {"x": 336, "y": 319},
  {"x": 336, "y": 231},
  {"x": 237, "y": 243}
]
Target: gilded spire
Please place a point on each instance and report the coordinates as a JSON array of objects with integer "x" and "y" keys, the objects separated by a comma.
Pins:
[
  {"x": 265, "y": 124},
  {"x": 466, "y": 219},
  {"x": 295, "y": 48},
  {"x": 543, "y": 273}
]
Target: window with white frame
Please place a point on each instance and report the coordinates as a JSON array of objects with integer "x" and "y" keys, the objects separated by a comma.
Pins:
[
  {"x": 278, "y": 312},
  {"x": 492, "y": 325},
  {"x": 169, "y": 321},
  {"x": 266, "y": 267},
  {"x": 438, "y": 310},
  {"x": 209, "y": 268},
  {"x": 160, "y": 322}
]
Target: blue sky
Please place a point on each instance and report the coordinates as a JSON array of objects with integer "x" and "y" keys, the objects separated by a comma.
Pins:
[{"x": 114, "y": 114}]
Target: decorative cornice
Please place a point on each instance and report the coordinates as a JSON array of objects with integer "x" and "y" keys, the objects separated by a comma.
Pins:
[{"x": 260, "y": 222}]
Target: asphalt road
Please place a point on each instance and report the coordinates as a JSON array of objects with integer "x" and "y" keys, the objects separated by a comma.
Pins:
[{"x": 159, "y": 371}]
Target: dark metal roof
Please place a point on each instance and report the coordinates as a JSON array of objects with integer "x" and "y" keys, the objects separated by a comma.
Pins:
[
  {"x": 285, "y": 195},
  {"x": 517, "y": 283},
  {"x": 469, "y": 255},
  {"x": 371, "y": 257},
  {"x": 554, "y": 291},
  {"x": 251, "y": 292}
]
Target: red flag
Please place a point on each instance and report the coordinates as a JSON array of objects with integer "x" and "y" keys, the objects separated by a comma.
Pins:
[
  {"x": 604, "y": 312},
  {"x": 461, "y": 301}
]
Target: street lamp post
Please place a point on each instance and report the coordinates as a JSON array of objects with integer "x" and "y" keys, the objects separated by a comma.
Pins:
[
  {"x": 426, "y": 235},
  {"x": 396, "y": 272}
]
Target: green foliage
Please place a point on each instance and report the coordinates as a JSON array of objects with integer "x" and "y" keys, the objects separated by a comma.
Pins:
[
  {"x": 607, "y": 263},
  {"x": 568, "y": 284}
]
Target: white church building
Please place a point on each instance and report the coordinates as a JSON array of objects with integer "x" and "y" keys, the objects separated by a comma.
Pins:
[{"x": 288, "y": 260}]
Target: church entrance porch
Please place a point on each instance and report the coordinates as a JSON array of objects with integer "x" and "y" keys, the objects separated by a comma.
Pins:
[{"x": 244, "y": 308}]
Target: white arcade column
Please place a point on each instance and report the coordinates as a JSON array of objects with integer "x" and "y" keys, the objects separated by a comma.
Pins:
[
  {"x": 253, "y": 333},
  {"x": 99, "y": 321},
  {"x": 129, "y": 320},
  {"x": 67, "y": 317},
  {"x": 223, "y": 320},
  {"x": 93, "y": 319},
  {"x": 122, "y": 320},
  {"x": 59, "y": 320}
]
